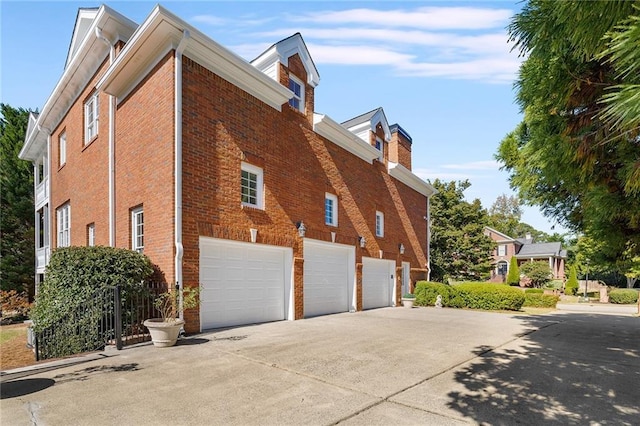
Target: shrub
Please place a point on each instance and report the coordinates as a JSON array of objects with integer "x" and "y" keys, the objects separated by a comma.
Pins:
[
  {"x": 74, "y": 274},
  {"x": 537, "y": 300},
  {"x": 513, "y": 277},
  {"x": 490, "y": 296},
  {"x": 538, "y": 272},
  {"x": 533, "y": 291},
  {"x": 623, "y": 296},
  {"x": 571, "y": 287},
  {"x": 14, "y": 306},
  {"x": 426, "y": 293}
]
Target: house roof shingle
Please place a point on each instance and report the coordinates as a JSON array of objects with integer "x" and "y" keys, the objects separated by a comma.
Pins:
[{"x": 540, "y": 249}]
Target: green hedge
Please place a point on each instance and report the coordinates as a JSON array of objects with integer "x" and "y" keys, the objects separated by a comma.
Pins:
[
  {"x": 486, "y": 296},
  {"x": 537, "y": 300},
  {"x": 623, "y": 296},
  {"x": 533, "y": 291},
  {"x": 74, "y": 274}
]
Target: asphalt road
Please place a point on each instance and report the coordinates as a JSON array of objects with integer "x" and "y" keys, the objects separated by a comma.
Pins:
[{"x": 385, "y": 366}]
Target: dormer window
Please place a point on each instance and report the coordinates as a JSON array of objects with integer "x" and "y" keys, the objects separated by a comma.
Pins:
[{"x": 297, "y": 87}]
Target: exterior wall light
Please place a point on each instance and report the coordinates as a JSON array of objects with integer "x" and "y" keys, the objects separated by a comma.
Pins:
[
  {"x": 401, "y": 248},
  {"x": 301, "y": 229},
  {"x": 363, "y": 242}
]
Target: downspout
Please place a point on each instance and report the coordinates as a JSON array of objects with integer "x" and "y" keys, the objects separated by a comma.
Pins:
[
  {"x": 112, "y": 160},
  {"x": 428, "y": 238},
  {"x": 178, "y": 162}
]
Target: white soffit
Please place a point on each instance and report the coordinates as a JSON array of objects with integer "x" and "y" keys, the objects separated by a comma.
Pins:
[
  {"x": 405, "y": 176},
  {"x": 283, "y": 50},
  {"x": 88, "y": 56},
  {"x": 336, "y": 133},
  {"x": 162, "y": 32}
]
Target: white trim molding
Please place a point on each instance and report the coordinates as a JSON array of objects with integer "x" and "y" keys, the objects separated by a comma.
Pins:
[{"x": 336, "y": 133}]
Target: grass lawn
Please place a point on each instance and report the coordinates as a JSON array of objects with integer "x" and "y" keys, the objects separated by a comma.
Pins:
[{"x": 13, "y": 347}]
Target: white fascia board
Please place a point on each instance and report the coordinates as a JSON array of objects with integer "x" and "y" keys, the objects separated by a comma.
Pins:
[
  {"x": 161, "y": 32},
  {"x": 405, "y": 176},
  {"x": 76, "y": 75},
  {"x": 336, "y": 133},
  {"x": 379, "y": 117}
]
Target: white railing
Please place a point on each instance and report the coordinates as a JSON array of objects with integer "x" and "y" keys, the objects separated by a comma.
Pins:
[
  {"x": 42, "y": 257},
  {"x": 42, "y": 192}
]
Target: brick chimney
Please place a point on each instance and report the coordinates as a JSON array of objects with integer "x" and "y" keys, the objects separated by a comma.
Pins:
[{"x": 400, "y": 146}]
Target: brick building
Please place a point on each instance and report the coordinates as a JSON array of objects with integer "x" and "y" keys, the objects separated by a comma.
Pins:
[
  {"x": 524, "y": 250},
  {"x": 158, "y": 139}
]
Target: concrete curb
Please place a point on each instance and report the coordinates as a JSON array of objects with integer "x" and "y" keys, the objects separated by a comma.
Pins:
[{"x": 596, "y": 308}]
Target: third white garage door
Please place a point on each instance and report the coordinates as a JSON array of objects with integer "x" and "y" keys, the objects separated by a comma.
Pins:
[
  {"x": 243, "y": 283},
  {"x": 377, "y": 282},
  {"x": 328, "y": 277}
]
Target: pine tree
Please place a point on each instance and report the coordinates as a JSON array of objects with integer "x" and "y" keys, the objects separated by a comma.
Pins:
[{"x": 17, "y": 251}]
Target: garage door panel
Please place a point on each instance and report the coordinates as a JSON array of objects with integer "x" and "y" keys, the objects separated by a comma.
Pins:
[
  {"x": 326, "y": 278},
  {"x": 376, "y": 282},
  {"x": 242, "y": 283}
]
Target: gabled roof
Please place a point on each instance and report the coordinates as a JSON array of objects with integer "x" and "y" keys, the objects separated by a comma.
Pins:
[
  {"x": 540, "y": 250},
  {"x": 368, "y": 121},
  {"x": 283, "y": 50},
  {"x": 504, "y": 237},
  {"x": 163, "y": 31},
  {"x": 84, "y": 19}
]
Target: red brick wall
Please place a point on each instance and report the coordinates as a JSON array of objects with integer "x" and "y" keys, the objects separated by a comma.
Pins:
[
  {"x": 145, "y": 164},
  {"x": 400, "y": 150},
  {"x": 224, "y": 126},
  {"x": 83, "y": 179}
]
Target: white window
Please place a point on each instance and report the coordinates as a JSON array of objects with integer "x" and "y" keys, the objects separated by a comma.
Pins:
[
  {"x": 330, "y": 209},
  {"x": 137, "y": 230},
  {"x": 251, "y": 186},
  {"x": 379, "y": 224},
  {"x": 297, "y": 87},
  {"x": 502, "y": 250},
  {"x": 379, "y": 144},
  {"x": 91, "y": 118},
  {"x": 62, "y": 149},
  {"x": 64, "y": 225},
  {"x": 91, "y": 234}
]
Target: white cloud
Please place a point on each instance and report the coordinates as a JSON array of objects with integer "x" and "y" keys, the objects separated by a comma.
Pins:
[
  {"x": 473, "y": 171},
  {"x": 209, "y": 20},
  {"x": 467, "y": 18},
  {"x": 359, "y": 54}
]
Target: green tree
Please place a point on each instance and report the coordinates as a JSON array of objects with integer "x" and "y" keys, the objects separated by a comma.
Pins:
[
  {"x": 513, "y": 277},
  {"x": 566, "y": 156},
  {"x": 17, "y": 251},
  {"x": 459, "y": 248},
  {"x": 571, "y": 286},
  {"x": 538, "y": 272}
]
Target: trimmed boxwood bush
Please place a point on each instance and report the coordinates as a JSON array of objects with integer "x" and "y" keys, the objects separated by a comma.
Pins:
[
  {"x": 534, "y": 291},
  {"x": 470, "y": 295},
  {"x": 623, "y": 296},
  {"x": 74, "y": 274},
  {"x": 571, "y": 286},
  {"x": 490, "y": 296},
  {"x": 537, "y": 300}
]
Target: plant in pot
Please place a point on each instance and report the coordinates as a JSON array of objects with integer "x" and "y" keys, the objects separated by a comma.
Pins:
[
  {"x": 165, "y": 330},
  {"x": 408, "y": 299}
]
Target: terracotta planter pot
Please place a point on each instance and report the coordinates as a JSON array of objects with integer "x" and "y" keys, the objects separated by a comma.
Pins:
[{"x": 164, "y": 334}]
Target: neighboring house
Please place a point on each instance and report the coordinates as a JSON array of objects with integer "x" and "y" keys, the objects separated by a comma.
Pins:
[
  {"x": 158, "y": 139},
  {"x": 524, "y": 250}
]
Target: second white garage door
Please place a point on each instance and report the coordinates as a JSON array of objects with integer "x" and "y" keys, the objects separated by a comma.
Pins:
[
  {"x": 377, "y": 282},
  {"x": 328, "y": 277},
  {"x": 243, "y": 283}
]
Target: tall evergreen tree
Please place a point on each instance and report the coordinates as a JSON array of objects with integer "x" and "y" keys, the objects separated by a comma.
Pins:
[
  {"x": 459, "y": 248},
  {"x": 17, "y": 252},
  {"x": 513, "y": 277},
  {"x": 576, "y": 152}
]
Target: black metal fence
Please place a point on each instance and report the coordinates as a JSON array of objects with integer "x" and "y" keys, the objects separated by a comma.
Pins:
[{"x": 111, "y": 316}]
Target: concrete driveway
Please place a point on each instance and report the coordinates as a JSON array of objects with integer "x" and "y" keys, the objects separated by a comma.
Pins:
[{"x": 385, "y": 366}]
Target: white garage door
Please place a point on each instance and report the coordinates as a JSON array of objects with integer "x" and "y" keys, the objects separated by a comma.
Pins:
[
  {"x": 328, "y": 277},
  {"x": 377, "y": 282},
  {"x": 242, "y": 283}
]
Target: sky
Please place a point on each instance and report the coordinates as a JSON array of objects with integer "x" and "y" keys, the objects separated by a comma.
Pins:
[{"x": 443, "y": 70}]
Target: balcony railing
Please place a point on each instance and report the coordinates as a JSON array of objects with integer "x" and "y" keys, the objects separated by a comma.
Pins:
[
  {"x": 42, "y": 192},
  {"x": 42, "y": 257}
]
